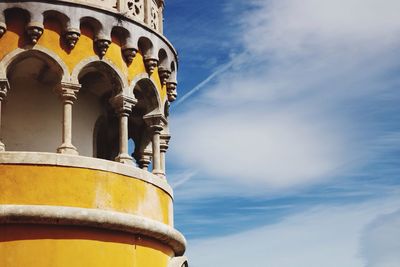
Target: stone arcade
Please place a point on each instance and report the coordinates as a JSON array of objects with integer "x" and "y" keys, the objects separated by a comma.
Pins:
[{"x": 85, "y": 88}]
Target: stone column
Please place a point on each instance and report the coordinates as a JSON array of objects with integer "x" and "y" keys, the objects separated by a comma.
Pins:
[
  {"x": 4, "y": 87},
  {"x": 68, "y": 93},
  {"x": 161, "y": 16},
  {"x": 123, "y": 106},
  {"x": 156, "y": 130},
  {"x": 163, "y": 150},
  {"x": 155, "y": 124},
  {"x": 147, "y": 11}
]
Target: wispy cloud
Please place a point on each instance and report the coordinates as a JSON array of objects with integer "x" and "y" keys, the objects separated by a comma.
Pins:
[
  {"x": 304, "y": 103},
  {"x": 348, "y": 236}
]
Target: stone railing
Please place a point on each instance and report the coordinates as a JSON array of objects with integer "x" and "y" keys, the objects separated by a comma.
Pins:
[{"x": 149, "y": 12}]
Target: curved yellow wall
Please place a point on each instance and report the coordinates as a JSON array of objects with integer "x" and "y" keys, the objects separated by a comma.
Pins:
[
  {"x": 58, "y": 246},
  {"x": 85, "y": 188}
]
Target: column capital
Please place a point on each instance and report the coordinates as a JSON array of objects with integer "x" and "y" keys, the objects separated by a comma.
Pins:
[
  {"x": 68, "y": 91},
  {"x": 4, "y": 88},
  {"x": 123, "y": 104},
  {"x": 155, "y": 122}
]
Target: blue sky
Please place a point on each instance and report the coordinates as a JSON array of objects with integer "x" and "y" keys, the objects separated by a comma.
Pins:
[{"x": 286, "y": 133}]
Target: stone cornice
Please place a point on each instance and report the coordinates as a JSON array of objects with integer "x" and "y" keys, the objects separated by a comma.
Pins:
[{"x": 110, "y": 220}]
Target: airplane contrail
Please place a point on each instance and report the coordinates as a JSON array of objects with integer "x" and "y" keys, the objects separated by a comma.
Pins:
[{"x": 220, "y": 70}]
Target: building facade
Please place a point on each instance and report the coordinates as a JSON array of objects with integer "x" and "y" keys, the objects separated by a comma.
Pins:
[{"x": 85, "y": 89}]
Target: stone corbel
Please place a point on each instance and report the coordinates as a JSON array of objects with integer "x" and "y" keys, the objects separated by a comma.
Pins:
[
  {"x": 34, "y": 31},
  {"x": 172, "y": 93},
  {"x": 150, "y": 63},
  {"x": 102, "y": 45},
  {"x": 129, "y": 53},
  {"x": 3, "y": 29},
  {"x": 72, "y": 36},
  {"x": 164, "y": 74}
]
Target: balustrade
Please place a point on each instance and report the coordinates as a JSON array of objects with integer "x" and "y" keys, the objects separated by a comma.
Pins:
[{"x": 149, "y": 12}]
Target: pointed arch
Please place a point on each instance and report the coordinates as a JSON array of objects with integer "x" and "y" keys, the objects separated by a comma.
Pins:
[
  {"x": 151, "y": 91},
  {"x": 40, "y": 52},
  {"x": 94, "y": 60}
]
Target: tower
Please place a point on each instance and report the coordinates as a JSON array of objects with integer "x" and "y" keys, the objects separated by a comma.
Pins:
[{"x": 85, "y": 87}]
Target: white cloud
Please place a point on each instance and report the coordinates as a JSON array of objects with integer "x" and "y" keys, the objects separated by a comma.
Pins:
[
  {"x": 289, "y": 111},
  {"x": 298, "y": 26},
  {"x": 326, "y": 236},
  {"x": 381, "y": 242}
]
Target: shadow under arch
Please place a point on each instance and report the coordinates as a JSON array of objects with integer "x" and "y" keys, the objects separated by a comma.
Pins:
[
  {"x": 49, "y": 57},
  {"x": 32, "y": 111},
  {"x": 103, "y": 64},
  {"x": 148, "y": 102},
  {"x": 95, "y": 120}
]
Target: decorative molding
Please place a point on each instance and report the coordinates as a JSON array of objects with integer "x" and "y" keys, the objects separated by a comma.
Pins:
[
  {"x": 102, "y": 45},
  {"x": 68, "y": 91},
  {"x": 72, "y": 36},
  {"x": 150, "y": 63},
  {"x": 155, "y": 121},
  {"x": 34, "y": 31},
  {"x": 123, "y": 104},
  {"x": 164, "y": 74},
  {"x": 128, "y": 53},
  {"x": 3, "y": 29},
  {"x": 109, "y": 220},
  {"x": 172, "y": 93},
  {"x": 75, "y": 161}
]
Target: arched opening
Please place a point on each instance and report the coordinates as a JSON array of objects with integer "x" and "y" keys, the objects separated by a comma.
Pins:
[
  {"x": 16, "y": 20},
  {"x": 32, "y": 112},
  {"x": 145, "y": 47},
  {"x": 147, "y": 102},
  {"x": 95, "y": 124}
]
